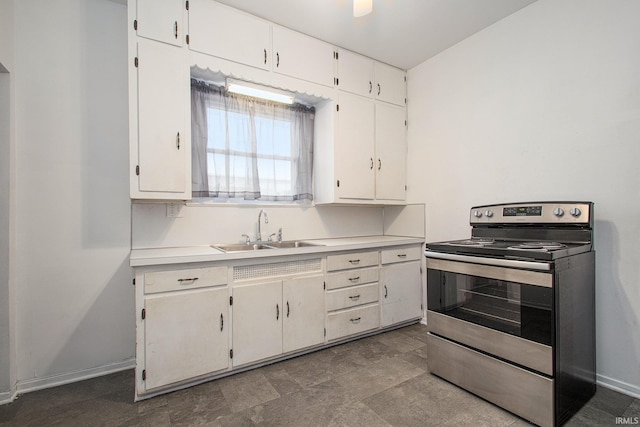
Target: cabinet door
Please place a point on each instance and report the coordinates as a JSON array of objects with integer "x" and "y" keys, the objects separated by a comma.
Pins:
[
  {"x": 391, "y": 152},
  {"x": 163, "y": 143},
  {"x": 221, "y": 31},
  {"x": 355, "y": 73},
  {"x": 354, "y": 148},
  {"x": 391, "y": 85},
  {"x": 400, "y": 293},
  {"x": 161, "y": 20},
  {"x": 303, "y": 57},
  {"x": 303, "y": 302},
  {"x": 257, "y": 322},
  {"x": 186, "y": 335}
]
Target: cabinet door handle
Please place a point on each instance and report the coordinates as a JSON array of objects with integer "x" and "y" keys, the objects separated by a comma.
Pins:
[
  {"x": 354, "y": 261},
  {"x": 370, "y": 87},
  {"x": 354, "y": 297},
  {"x": 175, "y": 29},
  {"x": 385, "y": 291},
  {"x": 287, "y": 308},
  {"x": 221, "y": 322},
  {"x": 178, "y": 140},
  {"x": 277, "y": 59},
  {"x": 378, "y": 88},
  {"x": 356, "y": 320},
  {"x": 379, "y": 164},
  {"x": 354, "y": 279},
  {"x": 277, "y": 312},
  {"x": 265, "y": 56},
  {"x": 187, "y": 281},
  {"x": 371, "y": 163}
]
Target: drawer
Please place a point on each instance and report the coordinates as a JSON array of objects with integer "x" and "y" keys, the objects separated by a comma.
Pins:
[
  {"x": 162, "y": 281},
  {"x": 352, "y": 321},
  {"x": 352, "y": 260},
  {"x": 353, "y": 296},
  {"x": 412, "y": 253},
  {"x": 346, "y": 278}
]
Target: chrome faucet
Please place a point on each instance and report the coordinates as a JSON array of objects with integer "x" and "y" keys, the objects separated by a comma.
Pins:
[{"x": 266, "y": 221}]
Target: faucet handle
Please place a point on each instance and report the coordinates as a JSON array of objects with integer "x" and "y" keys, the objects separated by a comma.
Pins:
[
  {"x": 247, "y": 239},
  {"x": 279, "y": 235},
  {"x": 269, "y": 239}
]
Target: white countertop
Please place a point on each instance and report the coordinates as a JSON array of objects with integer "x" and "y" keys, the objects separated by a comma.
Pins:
[{"x": 180, "y": 255}]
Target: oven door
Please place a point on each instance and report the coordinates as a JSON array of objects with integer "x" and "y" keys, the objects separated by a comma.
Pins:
[{"x": 503, "y": 311}]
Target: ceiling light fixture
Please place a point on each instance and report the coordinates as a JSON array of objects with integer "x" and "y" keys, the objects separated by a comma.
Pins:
[
  {"x": 362, "y": 7},
  {"x": 257, "y": 91}
]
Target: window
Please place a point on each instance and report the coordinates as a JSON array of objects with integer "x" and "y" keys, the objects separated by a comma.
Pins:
[{"x": 250, "y": 149}]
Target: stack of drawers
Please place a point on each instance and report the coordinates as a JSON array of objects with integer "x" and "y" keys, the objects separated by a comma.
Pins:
[{"x": 352, "y": 294}]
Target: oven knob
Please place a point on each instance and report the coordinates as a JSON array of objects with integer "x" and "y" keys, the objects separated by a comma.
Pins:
[
  {"x": 488, "y": 214},
  {"x": 558, "y": 211},
  {"x": 575, "y": 212},
  {"x": 477, "y": 214}
]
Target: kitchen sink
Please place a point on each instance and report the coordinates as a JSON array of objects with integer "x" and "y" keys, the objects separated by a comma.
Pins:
[
  {"x": 240, "y": 247},
  {"x": 244, "y": 247}
]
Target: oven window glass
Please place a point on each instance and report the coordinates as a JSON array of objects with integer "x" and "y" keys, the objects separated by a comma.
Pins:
[{"x": 522, "y": 310}]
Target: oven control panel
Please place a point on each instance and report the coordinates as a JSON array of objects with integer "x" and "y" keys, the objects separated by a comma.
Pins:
[{"x": 535, "y": 212}]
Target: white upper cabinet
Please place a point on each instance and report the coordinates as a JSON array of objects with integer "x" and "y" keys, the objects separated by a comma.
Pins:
[
  {"x": 354, "y": 148},
  {"x": 161, "y": 20},
  {"x": 228, "y": 33},
  {"x": 355, "y": 73},
  {"x": 363, "y": 76},
  {"x": 161, "y": 158},
  {"x": 303, "y": 57},
  {"x": 391, "y": 152},
  {"x": 391, "y": 84}
]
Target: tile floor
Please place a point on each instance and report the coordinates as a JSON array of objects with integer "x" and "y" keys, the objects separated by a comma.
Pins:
[{"x": 381, "y": 380}]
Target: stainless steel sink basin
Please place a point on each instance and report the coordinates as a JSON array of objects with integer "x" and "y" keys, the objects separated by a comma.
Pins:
[
  {"x": 240, "y": 247},
  {"x": 243, "y": 247},
  {"x": 290, "y": 244}
]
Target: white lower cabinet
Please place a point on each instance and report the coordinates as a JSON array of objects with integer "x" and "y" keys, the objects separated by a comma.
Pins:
[
  {"x": 186, "y": 335},
  {"x": 275, "y": 317},
  {"x": 352, "y": 294},
  {"x": 208, "y": 319},
  {"x": 400, "y": 286}
]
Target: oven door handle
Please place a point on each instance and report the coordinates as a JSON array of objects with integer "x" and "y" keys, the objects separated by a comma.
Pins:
[
  {"x": 525, "y": 272},
  {"x": 498, "y": 262}
]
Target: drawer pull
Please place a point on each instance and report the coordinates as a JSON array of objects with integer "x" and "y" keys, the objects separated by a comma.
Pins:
[
  {"x": 355, "y": 297},
  {"x": 354, "y": 261},
  {"x": 402, "y": 255},
  {"x": 188, "y": 281},
  {"x": 356, "y": 320},
  {"x": 354, "y": 279}
]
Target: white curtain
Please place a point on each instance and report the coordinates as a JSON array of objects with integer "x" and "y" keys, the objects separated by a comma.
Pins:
[{"x": 249, "y": 148}]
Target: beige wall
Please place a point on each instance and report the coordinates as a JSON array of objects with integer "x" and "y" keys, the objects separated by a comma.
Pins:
[{"x": 543, "y": 105}]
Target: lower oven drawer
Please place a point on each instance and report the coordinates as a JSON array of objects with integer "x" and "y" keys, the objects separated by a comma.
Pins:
[
  {"x": 530, "y": 354},
  {"x": 524, "y": 393}
]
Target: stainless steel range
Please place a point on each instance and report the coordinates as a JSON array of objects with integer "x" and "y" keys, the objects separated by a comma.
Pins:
[{"x": 511, "y": 310}]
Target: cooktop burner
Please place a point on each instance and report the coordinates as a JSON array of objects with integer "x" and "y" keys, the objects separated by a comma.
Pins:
[{"x": 476, "y": 243}]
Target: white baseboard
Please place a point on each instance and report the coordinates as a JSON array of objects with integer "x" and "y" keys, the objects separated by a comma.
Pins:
[
  {"x": 7, "y": 397},
  {"x": 57, "y": 380},
  {"x": 620, "y": 386}
]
